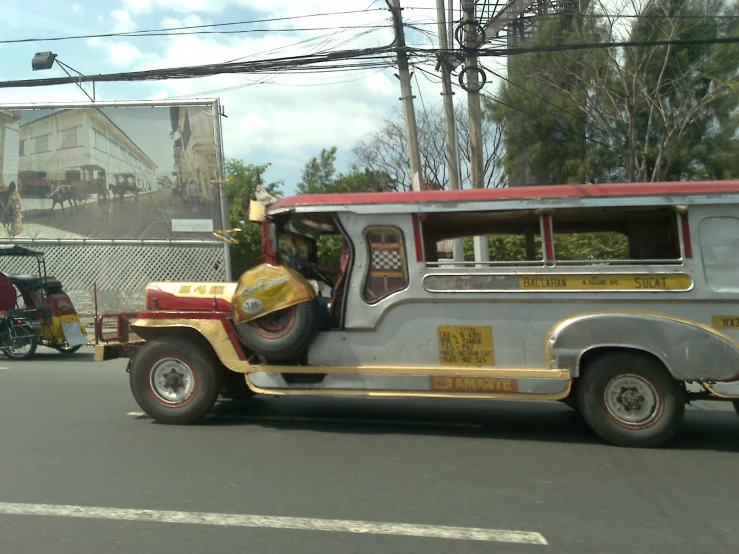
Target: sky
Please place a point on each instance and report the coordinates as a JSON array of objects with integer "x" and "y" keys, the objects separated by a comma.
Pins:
[{"x": 283, "y": 120}]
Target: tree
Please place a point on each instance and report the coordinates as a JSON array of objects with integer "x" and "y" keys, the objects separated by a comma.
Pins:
[
  {"x": 640, "y": 113},
  {"x": 386, "y": 151},
  {"x": 320, "y": 177},
  {"x": 242, "y": 185}
]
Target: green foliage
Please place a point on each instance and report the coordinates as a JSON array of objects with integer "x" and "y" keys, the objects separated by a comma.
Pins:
[
  {"x": 644, "y": 113},
  {"x": 546, "y": 132},
  {"x": 576, "y": 246},
  {"x": 241, "y": 187},
  {"x": 586, "y": 246}
]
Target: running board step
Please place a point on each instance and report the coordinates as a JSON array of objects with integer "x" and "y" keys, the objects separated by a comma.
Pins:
[{"x": 481, "y": 384}]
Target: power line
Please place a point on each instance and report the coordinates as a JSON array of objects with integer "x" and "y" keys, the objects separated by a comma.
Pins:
[
  {"x": 499, "y": 52},
  {"x": 166, "y": 30},
  {"x": 551, "y": 125},
  {"x": 606, "y": 16},
  {"x": 330, "y": 61},
  {"x": 188, "y": 33}
]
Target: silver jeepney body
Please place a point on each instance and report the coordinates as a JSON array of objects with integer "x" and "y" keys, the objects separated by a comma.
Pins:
[{"x": 540, "y": 318}]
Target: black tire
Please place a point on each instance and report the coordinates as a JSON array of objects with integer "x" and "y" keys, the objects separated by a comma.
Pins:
[
  {"x": 571, "y": 403},
  {"x": 159, "y": 372},
  {"x": 283, "y": 335},
  {"x": 25, "y": 337},
  {"x": 234, "y": 387},
  {"x": 66, "y": 349},
  {"x": 645, "y": 410}
]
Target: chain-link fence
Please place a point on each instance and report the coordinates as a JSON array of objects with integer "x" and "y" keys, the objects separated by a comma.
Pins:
[{"x": 121, "y": 272}]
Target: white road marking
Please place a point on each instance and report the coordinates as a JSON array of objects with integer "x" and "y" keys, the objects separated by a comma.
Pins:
[
  {"x": 270, "y": 522},
  {"x": 333, "y": 420}
]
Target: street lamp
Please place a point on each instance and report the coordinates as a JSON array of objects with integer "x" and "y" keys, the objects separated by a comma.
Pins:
[{"x": 45, "y": 60}]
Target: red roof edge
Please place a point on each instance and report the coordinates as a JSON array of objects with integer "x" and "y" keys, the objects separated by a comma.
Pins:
[{"x": 512, "y": 193}]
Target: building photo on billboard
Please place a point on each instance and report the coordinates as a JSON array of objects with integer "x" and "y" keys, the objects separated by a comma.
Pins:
[{"x": 116, "y": 173}]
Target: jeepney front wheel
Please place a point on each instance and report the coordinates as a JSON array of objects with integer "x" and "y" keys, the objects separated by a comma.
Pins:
[
  {"x": 630, "y": 399},
  {"x": 174, "y": 381}
]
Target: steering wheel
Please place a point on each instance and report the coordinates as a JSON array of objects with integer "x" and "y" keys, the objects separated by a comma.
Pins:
[{"x": 307, "y": 269}]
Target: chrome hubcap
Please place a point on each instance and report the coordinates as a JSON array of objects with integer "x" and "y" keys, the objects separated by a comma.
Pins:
[
  {"x": 632, "y": 400},
  {"x": 172, "y": 381}
]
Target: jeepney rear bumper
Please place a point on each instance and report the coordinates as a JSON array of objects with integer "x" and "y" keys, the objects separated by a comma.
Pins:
[{"x": 113, "y": 351}]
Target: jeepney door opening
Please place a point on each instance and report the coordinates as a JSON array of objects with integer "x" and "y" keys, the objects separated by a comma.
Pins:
[{"x": 317, "y": 247}]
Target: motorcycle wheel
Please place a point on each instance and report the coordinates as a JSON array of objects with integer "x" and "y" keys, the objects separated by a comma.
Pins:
[{"x": 22, "y": 346}]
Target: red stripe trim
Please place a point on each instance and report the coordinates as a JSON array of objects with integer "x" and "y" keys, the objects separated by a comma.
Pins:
[
  {"x": 548, "y": 239},
  {"x": 687, "y": 244},
  {"x": 513, "y": 193},
  {"x": 418, "y": 238}
]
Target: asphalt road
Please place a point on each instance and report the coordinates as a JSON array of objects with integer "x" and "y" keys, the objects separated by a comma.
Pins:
[{"x": 70, "y": 435}]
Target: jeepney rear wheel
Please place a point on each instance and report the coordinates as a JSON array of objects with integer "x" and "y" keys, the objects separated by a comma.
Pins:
[
  {"x": 173, "y": 381},
  {"x": 283, "y": 335},
  {"x": 631, "y": 400}
]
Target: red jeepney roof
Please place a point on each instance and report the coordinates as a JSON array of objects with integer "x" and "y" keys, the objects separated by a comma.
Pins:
[{"x": 512, "y": 193}]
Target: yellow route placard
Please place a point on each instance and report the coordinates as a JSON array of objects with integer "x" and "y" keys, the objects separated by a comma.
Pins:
[
  {"x": 646, "y": 282},
  {"x": 466, "y": 345}
]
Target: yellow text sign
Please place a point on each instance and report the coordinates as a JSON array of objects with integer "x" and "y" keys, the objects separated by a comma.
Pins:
[
  {"x": 646, "y": 282},
  {"x": 466, "y": 346},
  {"x": 473, "y": 384},
  {"x": 725, "y": 322}
]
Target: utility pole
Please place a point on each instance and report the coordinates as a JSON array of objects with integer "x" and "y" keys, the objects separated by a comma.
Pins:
[
  {"x": 475, "y": 114},
  {"x": 411, "y": 129},
  {"x": 452, "y": 149},
  {"x": 473, "y": 94}
]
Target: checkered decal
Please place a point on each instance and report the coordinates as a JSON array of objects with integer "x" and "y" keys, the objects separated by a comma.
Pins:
[
  {"x": 386, "y": 259},
  {"x": 387, "y": 271}
]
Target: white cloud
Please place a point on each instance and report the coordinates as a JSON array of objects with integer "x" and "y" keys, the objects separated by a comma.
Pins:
[
  {"x": 137, "y": 6},
  {"x": 76, "y": 8},
  {"x": 287, "y": 118},
  {"x": 123, "y": 54},
  {"x": 122, "y": 21}
]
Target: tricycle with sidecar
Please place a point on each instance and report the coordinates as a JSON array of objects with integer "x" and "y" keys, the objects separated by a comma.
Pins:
[{"x": 35, "y": 310}]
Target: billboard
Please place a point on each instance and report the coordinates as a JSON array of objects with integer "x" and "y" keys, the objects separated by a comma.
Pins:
[{"x": 106, "y": 171}]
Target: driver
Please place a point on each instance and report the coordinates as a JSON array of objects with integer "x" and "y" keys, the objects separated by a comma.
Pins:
[{"x": 7, "y": 294}]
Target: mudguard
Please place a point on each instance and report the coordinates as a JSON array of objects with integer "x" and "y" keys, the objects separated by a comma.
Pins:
[{"x": 690, "y": 350}]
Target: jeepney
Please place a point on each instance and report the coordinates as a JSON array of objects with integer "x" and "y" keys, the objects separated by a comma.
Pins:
[{"x": 627, "y": 334}]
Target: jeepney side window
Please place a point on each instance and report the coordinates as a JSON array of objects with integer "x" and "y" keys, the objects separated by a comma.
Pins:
[
  {"x": 719, "y": 240},
  {"x": 612, "y": 236},
  {"x": 514, "y": 238},
  {"x": 387, "y": 271}
]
